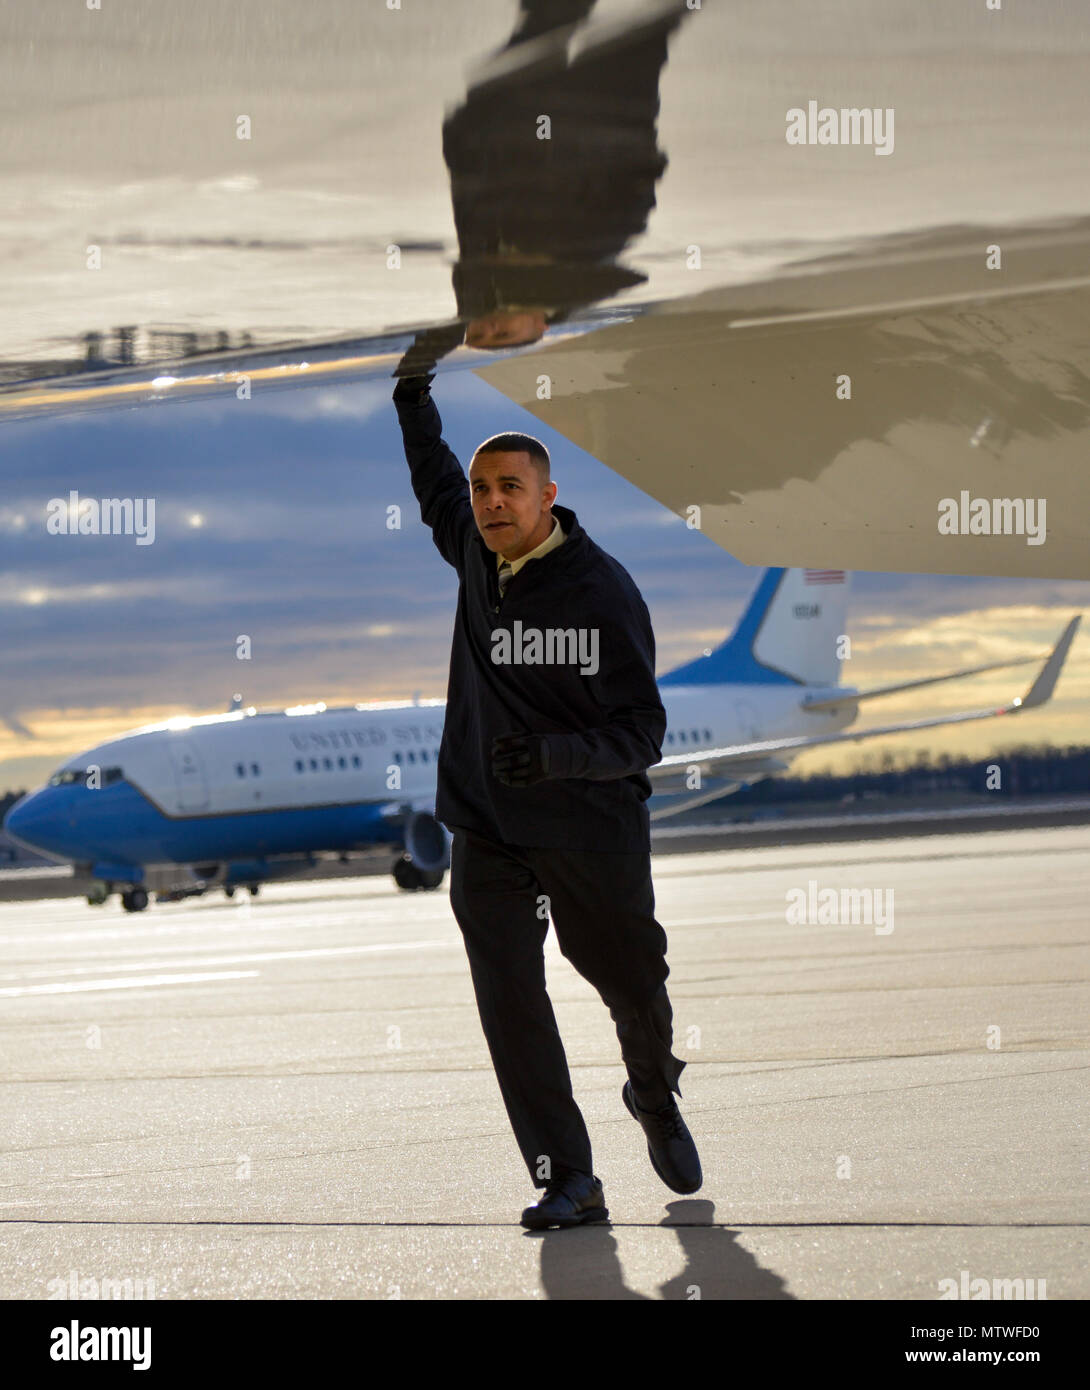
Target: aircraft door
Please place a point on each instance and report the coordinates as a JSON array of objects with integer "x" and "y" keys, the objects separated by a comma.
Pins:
[
  {"x": 749, "y": 725},
  {"x": 189, "y": 776}
]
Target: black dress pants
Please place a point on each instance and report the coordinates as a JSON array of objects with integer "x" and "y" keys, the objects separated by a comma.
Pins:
[{"x": 602, "y": 906}]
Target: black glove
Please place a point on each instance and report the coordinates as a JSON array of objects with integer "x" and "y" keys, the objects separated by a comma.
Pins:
[
  {"x": 429, "y": 345},
  {"x": 413, "y": 390},
  {"x": 520, "y": 760}
]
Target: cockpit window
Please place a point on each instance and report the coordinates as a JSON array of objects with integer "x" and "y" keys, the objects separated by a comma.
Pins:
[
  {"x": 67, "y": 776},
  {"x": 77, "y": 776}
]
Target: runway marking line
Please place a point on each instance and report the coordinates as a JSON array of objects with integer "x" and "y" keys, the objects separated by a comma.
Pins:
[
  {"x": 252, "y": 958},
  {"x": 147, "y": 982}
]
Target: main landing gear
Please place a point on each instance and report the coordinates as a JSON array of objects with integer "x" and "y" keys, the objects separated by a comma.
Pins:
[{"x": 412, "y": 879}]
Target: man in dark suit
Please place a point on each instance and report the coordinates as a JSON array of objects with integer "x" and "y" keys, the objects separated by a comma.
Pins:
[{"x": 553, "y": 718}]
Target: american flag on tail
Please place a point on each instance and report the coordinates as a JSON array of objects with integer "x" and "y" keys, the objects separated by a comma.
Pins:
[{"x": 823, "y": 576}]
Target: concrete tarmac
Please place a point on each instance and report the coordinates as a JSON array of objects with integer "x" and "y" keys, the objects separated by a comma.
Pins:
[{"x": 292, "y": 1098}]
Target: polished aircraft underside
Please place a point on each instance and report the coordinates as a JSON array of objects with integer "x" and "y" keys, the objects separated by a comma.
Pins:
[{"x": 814, "y": 351}]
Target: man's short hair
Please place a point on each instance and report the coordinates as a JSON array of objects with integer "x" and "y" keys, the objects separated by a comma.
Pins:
[{"x": 514, "y": 443}]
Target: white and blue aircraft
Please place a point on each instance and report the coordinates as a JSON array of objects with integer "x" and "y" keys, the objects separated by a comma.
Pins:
[{"x": 235, "y": 799}]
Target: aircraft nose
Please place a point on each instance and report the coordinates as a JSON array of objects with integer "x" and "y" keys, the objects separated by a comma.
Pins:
[
  {"x": 15, "y": 817},
  {"x": 27, "y": 821}
]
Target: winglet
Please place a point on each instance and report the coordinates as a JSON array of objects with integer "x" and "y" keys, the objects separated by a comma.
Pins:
[{"x": 1041, "y": 689}]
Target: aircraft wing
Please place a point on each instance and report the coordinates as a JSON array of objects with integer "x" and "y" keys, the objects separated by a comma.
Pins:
[
  {"x": 852, "y": 697},
  {"x": 931, "y": 349},
  {"x": 832, "y": 414},
  {"x": 720, "y": 761}
]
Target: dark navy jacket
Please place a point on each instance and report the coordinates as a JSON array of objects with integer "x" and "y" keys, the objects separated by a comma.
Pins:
[{"x": 604, "y": 729}]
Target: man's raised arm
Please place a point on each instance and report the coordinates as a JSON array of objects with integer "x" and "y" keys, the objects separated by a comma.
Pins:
[{"x": 441, "y": 487}]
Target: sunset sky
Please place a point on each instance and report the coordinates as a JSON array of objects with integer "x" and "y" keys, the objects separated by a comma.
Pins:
[{"x": 271, "y": 522}]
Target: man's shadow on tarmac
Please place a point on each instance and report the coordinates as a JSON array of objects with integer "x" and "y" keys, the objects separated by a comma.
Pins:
[{"x": 584, "y": 1263}]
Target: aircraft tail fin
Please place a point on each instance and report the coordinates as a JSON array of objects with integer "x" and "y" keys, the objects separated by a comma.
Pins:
[{"x": 790, "y": 632}]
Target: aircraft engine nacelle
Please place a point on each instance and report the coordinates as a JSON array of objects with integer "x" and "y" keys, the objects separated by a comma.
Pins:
[{"x": 427, "y": 843}]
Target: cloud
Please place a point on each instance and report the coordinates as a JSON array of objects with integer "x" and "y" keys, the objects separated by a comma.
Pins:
[{"x": 294, "y": 489}]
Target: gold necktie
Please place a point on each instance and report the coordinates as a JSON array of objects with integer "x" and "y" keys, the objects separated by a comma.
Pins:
[{"x": 505, "y": 573}]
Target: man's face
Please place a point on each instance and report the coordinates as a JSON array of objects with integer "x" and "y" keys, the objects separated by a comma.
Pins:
[
  {"x": 512, "y": 506},
  {"x": 506, "y": 328}
]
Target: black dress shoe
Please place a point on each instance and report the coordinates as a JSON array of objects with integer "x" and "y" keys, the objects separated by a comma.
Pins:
[
  {"x": 575, "y": 1199},
  {"x": 670, "y": 1146}
]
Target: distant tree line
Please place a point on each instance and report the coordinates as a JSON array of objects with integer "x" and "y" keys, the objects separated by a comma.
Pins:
[{"x": 1017, "y": 772}]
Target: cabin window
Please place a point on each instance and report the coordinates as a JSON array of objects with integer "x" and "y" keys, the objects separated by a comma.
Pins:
[
  {"x": 355, "y": 760},
  {"x": 240, "y": 770},
  {"x": 669, "y": 738},
  {"x": 255, "y": 769},
  {"x": 327, "y": 763},
  {"x": 681, "y": 735},
  {"x": 314, "y": 764},
  {"x": 412, "y": 756},
  {"x": 298, "y": 764},
  {"x": 708, "y": 735},
  {"x": 342, "y": 763},
  {"x": 423, "y": 755}
]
